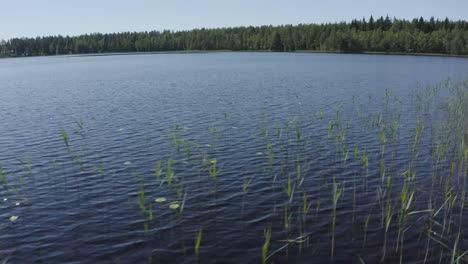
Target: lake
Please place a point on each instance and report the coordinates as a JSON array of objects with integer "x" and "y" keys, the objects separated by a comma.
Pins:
[{"x": 340, "y": 157}]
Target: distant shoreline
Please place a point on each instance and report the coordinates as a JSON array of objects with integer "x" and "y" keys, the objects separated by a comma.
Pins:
[
  {"x": 386, "y": 53},
  {"x": 260, "y": 51}
]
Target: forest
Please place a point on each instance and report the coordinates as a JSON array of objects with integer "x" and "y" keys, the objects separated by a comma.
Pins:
[{"x": 372, "y": 35}]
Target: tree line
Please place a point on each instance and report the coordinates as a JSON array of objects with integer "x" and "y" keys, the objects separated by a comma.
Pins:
[{"x": 372, "y": 35}]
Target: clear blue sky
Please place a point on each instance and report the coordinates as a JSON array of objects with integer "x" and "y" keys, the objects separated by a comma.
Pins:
[{"x": 31, "y": 18}]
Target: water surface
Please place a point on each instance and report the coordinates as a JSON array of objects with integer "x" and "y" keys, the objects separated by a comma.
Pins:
[{"x": 119, "y": 114}]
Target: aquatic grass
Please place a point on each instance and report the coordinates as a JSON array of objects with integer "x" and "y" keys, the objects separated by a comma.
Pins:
[
  {"x": 198, "y": 241},
  {"x": 320, "y": 113},
  {"x": 317, "y": 208},
  {"x": 331, "y": 126},
  {"x": 298, "y": 240},
  {"x": 64, "y": 136},
  {"x": 356, "y": 152},
  {"x": 278, "y": 131},
  {"x": 141, "y": 196},
  {"x": 147, "y": 214},
  {"x": 158, "y": 171},
  {"x": 454, "y": 251},
  {"x": 150, "y": 214},
  {"x": 287, "y": 218},
  {"x": 246, "y": 184},
  {"x": 366, "y": 226},
  {"x": 382, "y": 171},
  {"x": 27, "y": 165},
  {"x": 175, "y": 139},
  {"x": 182, "y": 204},
  {"x": 298, "y": 167},
  {"x": 5, "y": 260},
  {"x": 170, "y": 172},
  {"x": 81, "y": 127},
  {"x": 337, "y": 191},
  {"x": 290, "y": 189},
  {"x": 3, "y": 180},
  {"x": 306, "y": 205},
  {"x": 100, "y": 170},
  {"x": 213, "y": 170},
  {"x": 388, "y": 219},
  {"x": 406, "y": 198},
  {"x": 344, "y": 154},
  {"x": 365, "y": 161},
  {"x": 354, "y": 202},
  {"x": 266, "y": 245},
  {"x": 188, "y": 152},
  {"x": 383, "y": 140},
  {"x": 271, "y": 155}
]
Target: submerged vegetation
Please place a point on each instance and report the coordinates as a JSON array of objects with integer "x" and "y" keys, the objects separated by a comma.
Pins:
[
  {"x": 348, "y": 184},
  {"x": 371, "y": 35}
]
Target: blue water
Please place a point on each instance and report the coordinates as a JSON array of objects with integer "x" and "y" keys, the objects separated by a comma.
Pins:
[{"x": 79, "y": 204}]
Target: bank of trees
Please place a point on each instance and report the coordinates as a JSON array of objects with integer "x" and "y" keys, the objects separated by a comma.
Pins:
[{"x": 380, "y": 35}]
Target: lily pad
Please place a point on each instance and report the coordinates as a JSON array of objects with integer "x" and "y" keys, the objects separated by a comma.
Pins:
[
  {"x": 160, "y": 200},
  {"x": 174, "y": 206}
]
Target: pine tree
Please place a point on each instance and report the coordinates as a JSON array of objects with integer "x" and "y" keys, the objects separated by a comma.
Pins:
[{"x": 277, "y": 43}]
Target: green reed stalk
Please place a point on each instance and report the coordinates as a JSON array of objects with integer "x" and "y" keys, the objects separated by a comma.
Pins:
[
  {"x": 198, "y": 241},
  {"x": 64, "y": 136},
  {"x": 213, "y": 170},
  {"x": 266, "y": 245},
  {"x": 337, "y": 191},
  {"x": 271, "y": 155},
  {"x": 170, "y": 172},
  {"x": 158, "y": 171},
  {"x": 290, "y": 189}
]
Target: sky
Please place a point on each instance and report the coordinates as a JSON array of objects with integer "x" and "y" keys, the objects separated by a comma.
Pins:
[{"x": 31, "y": 18}]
